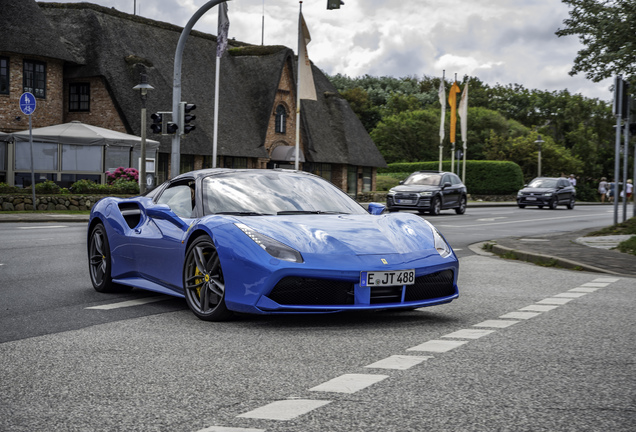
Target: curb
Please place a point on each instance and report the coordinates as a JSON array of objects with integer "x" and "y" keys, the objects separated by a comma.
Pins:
[{"x": 536, "y": 258}]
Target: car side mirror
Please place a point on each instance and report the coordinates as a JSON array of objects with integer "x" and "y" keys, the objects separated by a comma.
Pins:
[
  {"x": 401, "y": 181},
  {"x": 447, "y": 184},
  {"x": 163, "y": 212},
  {"x": 376, "y": 208}
]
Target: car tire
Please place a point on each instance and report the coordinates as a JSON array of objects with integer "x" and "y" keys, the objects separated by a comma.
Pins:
[
  {"x": 571, "y": 204},
  {"x": 553, "y": 204},
  {"x": 99, "y": 262},
  {"x": 521, "y": 205},
  {"x": 203, "y": 282},
  {"x": 462, "y": 206},
  {"x": 436, "y": 206}
]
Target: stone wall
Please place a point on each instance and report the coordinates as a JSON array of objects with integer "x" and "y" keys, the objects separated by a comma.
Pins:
[{"x": 48, "y": 202}]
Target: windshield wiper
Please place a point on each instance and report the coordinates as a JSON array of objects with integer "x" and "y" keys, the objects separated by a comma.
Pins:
[
  {"x": 243, "y": 213},
  {"x": 301, "y": 212}
]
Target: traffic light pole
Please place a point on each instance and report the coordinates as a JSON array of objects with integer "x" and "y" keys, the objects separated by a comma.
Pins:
[{"x": 175, "y": 159}]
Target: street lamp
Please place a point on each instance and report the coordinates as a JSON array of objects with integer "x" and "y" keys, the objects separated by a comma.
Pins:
[
  {"x": 143, "y": 87},
  {"x": 539, "y": 141}
]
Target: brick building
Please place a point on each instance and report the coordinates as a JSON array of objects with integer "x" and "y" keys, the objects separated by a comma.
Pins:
[{"x": 82, "y": 61}]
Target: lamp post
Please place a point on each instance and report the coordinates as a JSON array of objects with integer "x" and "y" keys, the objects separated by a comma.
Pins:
[
  {"x": 143, "y": 87},
  {"x": 539, "y": 141}
]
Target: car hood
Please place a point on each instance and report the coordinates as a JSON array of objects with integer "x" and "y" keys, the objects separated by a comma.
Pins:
[
  {"x": 346, "y": 234},
  {"x": 537, "y": 190},
  {"x": 414, "y": 188}
]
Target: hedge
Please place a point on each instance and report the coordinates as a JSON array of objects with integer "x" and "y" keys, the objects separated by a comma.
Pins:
[{"x": 482, "y": 177}]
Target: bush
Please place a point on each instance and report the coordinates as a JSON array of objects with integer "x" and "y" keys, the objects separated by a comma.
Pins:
[
  {"x": 386, "y": 182},
  {"x": 125, "y": 187},
  {"x": 6, "y": 189},
  {"x": 47, "y": 188},
  {"x": 126, "y": 174},
  {"x": 482, "y": 177},
  {"x": 84, "y": 187}
]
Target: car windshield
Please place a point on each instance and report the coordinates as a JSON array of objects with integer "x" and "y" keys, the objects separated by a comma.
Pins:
[
  {"x": 272, "y": 193},
  {"x": 423, "y": 179},
  {"x": 543, "y": 183}
]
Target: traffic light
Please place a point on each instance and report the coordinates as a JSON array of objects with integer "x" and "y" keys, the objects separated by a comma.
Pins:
[
  {"x": 157, "y": 123},
  {"x": 334, "y": 4},
  {"x": 185, "y": 117},
  {"x": 171, "y": 128}
]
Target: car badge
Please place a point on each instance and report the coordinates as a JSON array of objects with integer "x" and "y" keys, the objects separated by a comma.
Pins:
[{"x": 384, "y": 261}]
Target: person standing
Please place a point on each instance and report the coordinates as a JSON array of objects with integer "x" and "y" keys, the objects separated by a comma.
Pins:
[
  {"x": 629, "y": 189},
  {"x": 602, "y": 188},
  {"x": 572, "y": 180}
]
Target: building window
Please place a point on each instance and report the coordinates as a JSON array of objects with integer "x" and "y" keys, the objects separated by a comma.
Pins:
[
  {"x": 187, "y": 163},
  {"x": 4, "y": 75},
  {"x": 35, "y": 78},
  {"x": 79, "y": 97},
  {"x": 281, "y": 120},
  {"x": 234, "y": 162},
  {"x": 367, "y": 175}
]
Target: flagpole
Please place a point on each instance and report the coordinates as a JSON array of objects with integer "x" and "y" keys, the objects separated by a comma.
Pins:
[
  {"x": 442, "y": 100},
  {"x": 221, "y": 41},
  {"x": 300, "y": 41}
]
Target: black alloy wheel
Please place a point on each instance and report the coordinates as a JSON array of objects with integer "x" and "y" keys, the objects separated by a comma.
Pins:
[
  {"x": 571, "y": 203},
  {"x": 99, "y": 264},
  {"x": 462, "y": 206},
  {"x": 436, "y": 206},
  {"x": 553, "y": 203},
  {"x": 522, "y": 205},
  {"x": 203, "y": 281}
]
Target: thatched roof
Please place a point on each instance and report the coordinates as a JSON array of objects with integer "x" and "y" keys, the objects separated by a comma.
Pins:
[
  {"x": 118, "y": 46},
  {"x": 26, "y": 30}
]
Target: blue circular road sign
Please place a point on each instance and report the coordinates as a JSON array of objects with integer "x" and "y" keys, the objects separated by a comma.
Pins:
[{"x": 27, "y": 103}]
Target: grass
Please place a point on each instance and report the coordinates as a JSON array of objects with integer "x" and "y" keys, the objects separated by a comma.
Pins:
[{"x": 70, "y": 212}]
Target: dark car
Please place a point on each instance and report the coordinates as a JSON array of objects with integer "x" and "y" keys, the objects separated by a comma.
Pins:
[
  {"x": 547, "y": 191},
  {"x": 428, "y": 191}
]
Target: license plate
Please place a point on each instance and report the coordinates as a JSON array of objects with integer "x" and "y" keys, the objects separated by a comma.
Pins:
[
  {"x": 531, "y": 199},
  {"x": 387, "y": 278},
  {"x": 403, "y": 201}
]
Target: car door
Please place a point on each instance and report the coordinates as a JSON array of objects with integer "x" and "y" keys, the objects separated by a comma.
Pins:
[
  {"x": 451, "y": 193},
  {"x": 157, "y": 245},
  {"x": 564, "y": 190}
]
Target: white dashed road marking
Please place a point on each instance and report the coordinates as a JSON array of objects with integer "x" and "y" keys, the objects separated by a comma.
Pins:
[
  {"x": 401, "y": 362},
  {"x": 538, "y": 308},
  {"x": 438, "y": 346},
  {"x": 130, "y": 303},
  {"x": 520, "y": 315},
  {"x": 285, "y": 409},
  {"x": 42, "y": 227},
  {"x": 229, "y": 429},
  {"x": 349, "y": 383},
  {"x": 469, "y": 334},
  {"x": 554, "y": 301},
  {"x": 496, "y": 323}
]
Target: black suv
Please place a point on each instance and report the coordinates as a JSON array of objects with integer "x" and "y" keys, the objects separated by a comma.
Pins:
[
  {"x": 547, "y": 191},
  {"x": 430, "y": 191}
]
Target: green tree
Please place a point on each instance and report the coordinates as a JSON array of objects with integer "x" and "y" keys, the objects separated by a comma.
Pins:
[{"x": 606, "y": 29}]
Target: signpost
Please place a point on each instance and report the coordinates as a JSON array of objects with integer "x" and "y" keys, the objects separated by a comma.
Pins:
[{"x": 27, "y": 106}]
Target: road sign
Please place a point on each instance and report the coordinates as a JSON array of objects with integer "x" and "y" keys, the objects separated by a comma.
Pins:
[{"x": 27, "y": 103}]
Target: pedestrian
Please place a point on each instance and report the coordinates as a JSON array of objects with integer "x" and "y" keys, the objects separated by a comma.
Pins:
[
  {"x": 602, "y": 188},
  {"x": 610, "y": 191},
  {"x": 572, "y": 180},
  {"x": 629, "y": 189}
]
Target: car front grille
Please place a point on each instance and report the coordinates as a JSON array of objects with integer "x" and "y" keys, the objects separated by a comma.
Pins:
[
  {"x": 307, "y": 291},
  {"x": 411, "y": 196}
]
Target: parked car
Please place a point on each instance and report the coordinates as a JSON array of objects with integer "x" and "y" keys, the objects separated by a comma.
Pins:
[
  {"x": 428, "y": 191},
  {"x": 547, "y": 191},
  {"x": 265, "y": 242}
]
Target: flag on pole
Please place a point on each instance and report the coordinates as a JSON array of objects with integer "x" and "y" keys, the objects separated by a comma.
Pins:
[
  {"x": 452, "y": 101},
  {"x": 222, "y": 31},
  {"x": 306, "y": 87},
  {"x": 463, "y": 114},
  {"x": 442, "y": 101}
]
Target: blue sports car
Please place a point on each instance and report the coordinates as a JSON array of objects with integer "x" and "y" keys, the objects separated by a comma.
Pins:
[{"x": 267, "y": 241}]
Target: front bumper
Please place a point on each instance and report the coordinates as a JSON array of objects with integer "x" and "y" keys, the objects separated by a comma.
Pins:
[
  {"x": 409, "y": 203},
  {"x": 534, "y": 200}
]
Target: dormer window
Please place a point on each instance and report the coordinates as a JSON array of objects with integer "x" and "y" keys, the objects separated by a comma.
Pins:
[
  {"x": 34, "y": 78},
  {"x": 281, "y": 120}
]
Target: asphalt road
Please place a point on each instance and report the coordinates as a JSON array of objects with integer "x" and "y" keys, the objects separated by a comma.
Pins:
[{"x": 154, "y": 366}]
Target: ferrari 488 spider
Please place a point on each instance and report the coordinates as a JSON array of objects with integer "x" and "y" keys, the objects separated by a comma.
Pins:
[{"x": 267, "y": 241}]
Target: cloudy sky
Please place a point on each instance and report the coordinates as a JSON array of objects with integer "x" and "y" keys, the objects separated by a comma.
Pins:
[{"x": 497, "y": 41}]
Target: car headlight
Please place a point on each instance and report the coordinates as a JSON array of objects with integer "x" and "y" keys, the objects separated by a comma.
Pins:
[
  {"x": 441, "y": 246},
  {"x": 426, "y": 193},
  {"x": 391, "y": 193},
  {"x": 273, "y": 247},
  {"x": 548, "y": 194}
]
